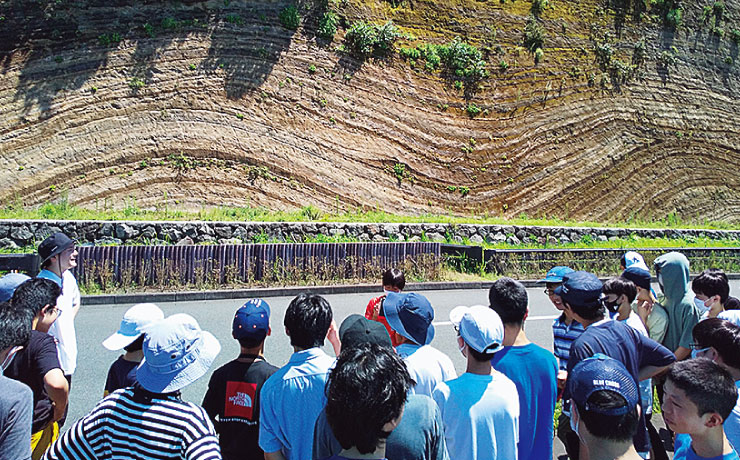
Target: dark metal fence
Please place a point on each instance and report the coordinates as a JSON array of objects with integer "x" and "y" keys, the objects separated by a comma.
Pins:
[{"x": 209, "y": 266}]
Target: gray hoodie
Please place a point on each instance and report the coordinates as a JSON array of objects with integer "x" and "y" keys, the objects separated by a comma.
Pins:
[{"x": 673, "y": 274}]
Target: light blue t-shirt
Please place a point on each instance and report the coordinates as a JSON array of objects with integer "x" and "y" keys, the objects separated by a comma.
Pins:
[
  {"x": 480, "y": 414},
  {"x": 732, "y": 424},
  {"x": 683, "y": 451},
  {"x": 534, "y": 371},
  {"x": 290, "y": 402}
]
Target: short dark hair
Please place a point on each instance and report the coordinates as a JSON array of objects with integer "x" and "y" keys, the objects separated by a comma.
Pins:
[
  {"x": 707, "y": 384},
  {"x": 620, "y": 428},
  {"x": 366, "y": 389},
  {"x": 623, "y": 261},
  {"x": 619, "y": 286},
  {"x": 723, "y": 336},
  {"x": 307, "y": 319},
  {"x": 509, "y": 299},
  {"x": 251, "y": 342},
  {"x": 588, "y": 312},
  {"x": 712, "y": 282},
  {"x": 394, "y": 277},
  {"x": 35, "y": 294},
  {"x": 15, "y": 326},
  {"x": 478, "y": 356},
  {"x": 136, "y": 345}
]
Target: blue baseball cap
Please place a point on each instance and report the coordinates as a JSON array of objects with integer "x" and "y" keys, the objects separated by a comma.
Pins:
[
  {"x": 581, "y": 288},
  {"x": 556, "y": 274},
  {"x": 600, "y": 372},
  {"x": 637, "y": 275},
  {"x": 252, "y": 320},
  {"x": 410, "y": 315},
  {"x": 9, "y": 283}
]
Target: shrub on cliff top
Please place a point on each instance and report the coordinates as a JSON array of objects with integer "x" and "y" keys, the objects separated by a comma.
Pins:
[
  {"x": 463, "y": 59},
  {"x": 360, "y": 39},
  {"x": 289, "y": 18}
]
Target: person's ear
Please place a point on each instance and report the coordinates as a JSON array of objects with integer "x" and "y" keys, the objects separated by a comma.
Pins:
[
  {"x": 287, "y": 332},
  {"x": 526, "y": 313},
  {"x": 45, "y": 309},
  {"x": 712, "y": 354},
  {"x": 713, "y": 420},
  {"x": 393, "y": 424},
  {"x": 269, "y": 330}
]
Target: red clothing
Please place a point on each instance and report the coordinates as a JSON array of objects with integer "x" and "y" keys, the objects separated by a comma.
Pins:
[{"x": 373, "y": 312}]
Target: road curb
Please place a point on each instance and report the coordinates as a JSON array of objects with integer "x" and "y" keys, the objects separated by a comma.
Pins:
[{"x": 190, "y": 296}]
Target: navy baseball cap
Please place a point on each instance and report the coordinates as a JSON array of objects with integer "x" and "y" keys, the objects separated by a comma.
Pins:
[
  {"x": 356, "y": 330},
  {"x": 556, "y": 274},
  {"x": 252, "y": 320},
  {"x": 410, "y": 315},
  {"x": 600, "y": 372},
  {"x": 637, "y": 275},
  {"x": 9, "y": 283},
  {"x": 53, "y": 245},
  {"x": 580, "y": 288}
]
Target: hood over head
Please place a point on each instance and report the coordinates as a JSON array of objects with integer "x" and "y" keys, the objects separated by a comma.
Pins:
[{"x": 673, "y": 271}]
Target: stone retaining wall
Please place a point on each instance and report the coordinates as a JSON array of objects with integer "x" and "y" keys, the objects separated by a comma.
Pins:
[{"x": 15, "y": 233}]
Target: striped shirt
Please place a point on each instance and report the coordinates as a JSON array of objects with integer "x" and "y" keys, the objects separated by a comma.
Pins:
[
  {"x": 128, "y": 426},
  {"x": 563, "y": 337}
]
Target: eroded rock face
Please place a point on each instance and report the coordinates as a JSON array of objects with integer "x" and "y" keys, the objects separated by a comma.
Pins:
[{"x": 212, "y": 103}]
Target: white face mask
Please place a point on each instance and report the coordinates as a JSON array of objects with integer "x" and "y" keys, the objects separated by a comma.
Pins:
[
  {"x": 701, "y": 305},
  {"x": 9, "y": 358},
  {"x": 695, "y": 353},
  {"x": 461, "y": 346},
  {"x": 573, "y": 424},
  {"x": 660, "y": 282},
  {"x": 386, "y": 292}
]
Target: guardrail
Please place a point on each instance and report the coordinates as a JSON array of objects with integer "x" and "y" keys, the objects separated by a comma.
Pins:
[
  {"x": 27, "y": 263},
  {"x": 526, "y": 262}
]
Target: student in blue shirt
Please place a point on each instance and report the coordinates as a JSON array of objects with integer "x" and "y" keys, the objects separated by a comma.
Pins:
[
  {"x": 644, "y": 358},
  {"x": 532, "y": 369},
  {"x": 699, "y": 396}
]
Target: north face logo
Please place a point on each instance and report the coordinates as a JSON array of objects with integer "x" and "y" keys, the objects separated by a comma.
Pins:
[{"x": 239, "y": 399}]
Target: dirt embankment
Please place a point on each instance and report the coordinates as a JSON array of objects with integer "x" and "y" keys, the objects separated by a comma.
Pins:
[{"x": 216, "y": 103}]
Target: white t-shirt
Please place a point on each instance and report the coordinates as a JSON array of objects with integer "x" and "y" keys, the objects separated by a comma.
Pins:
[
  {"x": 646, "y": 386},
  {"x": 480, "y": 414},
  {"x": 63, "y": 328},
  {"x": 427, "y": 366},
  {"x": 732, "y": 424}
]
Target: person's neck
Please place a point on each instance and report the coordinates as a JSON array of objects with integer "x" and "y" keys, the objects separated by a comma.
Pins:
[
  {"x": 567, "y": 317},
  {"x": 711, "y": 444},
  {"x": 478, "y": 367},
  {"x": 134, "y": 356},
  {"x": 608, "y": 450},
  {"x": 587, "y": 322},
  {"x": 353, "y": 453},
  {"x": 36, "y": 325},
  {"x": 514, "y": 336},
  {"x": 253, "y": 351},
  {"x": 54, "y": 270},
  {"x": 716, "y": 310},
  {"x": 624, "y": 312}
]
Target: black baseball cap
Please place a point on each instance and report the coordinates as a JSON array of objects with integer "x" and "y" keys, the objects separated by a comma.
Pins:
[
  {"x": 54, "y": 245},
  {"x": 357, "y": 330}
]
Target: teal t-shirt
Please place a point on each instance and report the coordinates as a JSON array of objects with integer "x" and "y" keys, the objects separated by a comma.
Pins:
[{"x": 683, "y": 451}]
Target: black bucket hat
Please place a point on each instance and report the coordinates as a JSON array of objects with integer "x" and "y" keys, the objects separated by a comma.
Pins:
[{"x": 53, "y": 245}]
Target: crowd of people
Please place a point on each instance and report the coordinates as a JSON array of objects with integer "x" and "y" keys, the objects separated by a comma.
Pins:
[{"x": 388, "y": 393}]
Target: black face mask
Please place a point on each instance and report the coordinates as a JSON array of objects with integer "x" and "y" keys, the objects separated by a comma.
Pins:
[{"x": 612, "y": 306}]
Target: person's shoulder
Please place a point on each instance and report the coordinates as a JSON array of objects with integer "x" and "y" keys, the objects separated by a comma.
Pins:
[{"x": 541, "y": 357}]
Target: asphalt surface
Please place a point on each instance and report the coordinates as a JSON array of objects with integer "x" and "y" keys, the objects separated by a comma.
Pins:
[{"x": 94, "y": 323}]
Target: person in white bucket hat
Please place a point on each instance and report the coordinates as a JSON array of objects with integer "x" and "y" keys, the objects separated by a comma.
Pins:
[
  {"x": 150, "y": 420},
  {"x": 130, "y": 337}
]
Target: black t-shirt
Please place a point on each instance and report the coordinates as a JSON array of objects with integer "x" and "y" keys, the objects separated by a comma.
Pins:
[
  {"x": 29, "y": 366},
  {"x": 122, "y": 374},
  {"x": 232, "y": 402}
]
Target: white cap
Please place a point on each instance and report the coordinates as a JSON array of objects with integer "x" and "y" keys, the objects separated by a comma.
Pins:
[
  {"x": 134, "y": 321},
  {"x": 480, "y": 327}
]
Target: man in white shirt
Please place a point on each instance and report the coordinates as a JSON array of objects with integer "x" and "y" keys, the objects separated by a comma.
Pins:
[
  {"x": 58, "y": 257},
  {"x": 410, "y": 316},
  {"x": 480, "y": 409}
]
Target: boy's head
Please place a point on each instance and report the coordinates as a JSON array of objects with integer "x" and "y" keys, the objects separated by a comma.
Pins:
[
  {"x": 410, "y": 316},
  {"x": 38, "y": 296},
  {"x": 480, "y": 332},
  {"x": 719, "y": 340},
  {"x": 617, "y": 291},
  {"x": 58, "y": 252},
  {"x": 307, "y": 320},
  {"x": 508, "y": 298},
  {"x": 581, "y": 293},
  {"x": 711, "y": 287},
  {"x": 640, "y": 277},
  {"x": 366, "y": 392},
  {"x": 251, "y": 323},
  {"x": 394, "y": 280},
  {"x": 605, "y": 398},
  {"x": 699, "y": 396},
  {"x": 130, "y": 333},
  {"x": 552, "y": 280},
  {"x": 15, "y": 331},
  {"x": 356, "y": 330}
]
